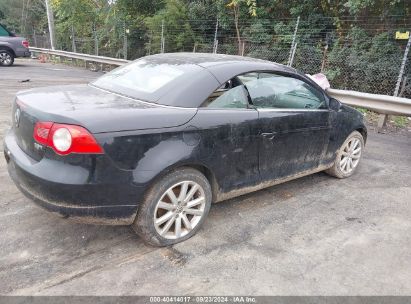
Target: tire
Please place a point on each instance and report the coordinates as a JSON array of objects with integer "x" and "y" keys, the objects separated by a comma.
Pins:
[
  {"x": 340, "y": 168},
  {"x": 172, "y": 213},
  {"x": 6, "y": 58}
]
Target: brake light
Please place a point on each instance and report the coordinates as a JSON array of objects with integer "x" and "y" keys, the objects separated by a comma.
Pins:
[
  {"x": 65, "y": 139},
  {"x": 25, "y": 43},
  {"x": 41, "y": 132}
]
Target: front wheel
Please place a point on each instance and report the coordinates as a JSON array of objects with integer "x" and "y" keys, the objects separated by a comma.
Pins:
[
  {"x": 348, "y": 156},
  {"x": 174, "y": 208},
  {"x": 6, "y": 58}
]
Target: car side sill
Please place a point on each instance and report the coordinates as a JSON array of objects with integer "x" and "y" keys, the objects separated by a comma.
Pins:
[{"x": 222, "y": 196}]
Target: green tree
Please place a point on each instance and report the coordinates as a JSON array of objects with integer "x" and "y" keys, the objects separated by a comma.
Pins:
[
  {"x": 178, "y": 33},
  {"x": 235, "y": 6},
  {"x": 23, "y": 16}
]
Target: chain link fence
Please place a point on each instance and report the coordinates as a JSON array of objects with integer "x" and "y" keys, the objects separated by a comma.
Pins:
[{"x": 363, "y": 56}]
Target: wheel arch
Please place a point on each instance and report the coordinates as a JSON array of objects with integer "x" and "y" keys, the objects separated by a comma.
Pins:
[
  {"x": 208, "y": 173},
  {"x": 7, "y": 48},
  {"x": 363, "y": 132},
  {"x": 205, "y": 170}
]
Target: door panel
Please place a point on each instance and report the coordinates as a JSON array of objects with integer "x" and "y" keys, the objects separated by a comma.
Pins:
[
  {"x": 294, "y": 123},
  {"x": 229, "y": 145},
  {"x": 291, "y": 141}
]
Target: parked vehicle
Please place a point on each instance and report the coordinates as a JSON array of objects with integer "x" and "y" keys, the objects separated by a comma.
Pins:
[
  {"x": 153, "y": 143},
  {"x": 11, "y": 47}
]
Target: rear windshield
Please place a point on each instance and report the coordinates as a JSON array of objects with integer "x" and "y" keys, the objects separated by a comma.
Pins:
[{"x": 142, "y": 79}]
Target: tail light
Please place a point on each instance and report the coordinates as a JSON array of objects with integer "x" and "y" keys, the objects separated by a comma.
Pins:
[
  {"x": 65, "y": 139},
  {"x": 25, "y": 43}
]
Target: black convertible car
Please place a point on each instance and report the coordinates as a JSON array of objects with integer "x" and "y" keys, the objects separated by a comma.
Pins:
[{"x": 155, "y": 142}]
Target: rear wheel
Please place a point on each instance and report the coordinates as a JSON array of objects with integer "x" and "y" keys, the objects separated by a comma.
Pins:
[
  {"x": 174, "y": 208},
  {"x": 6, "y": 58},
  {"x": 348, "y": 156}
]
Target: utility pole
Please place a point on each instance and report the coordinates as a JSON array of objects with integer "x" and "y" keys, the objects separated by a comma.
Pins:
[
  {"x": 125, "y": 42},
  {"x": 404, "y": 61},
  {"x": 73, "y": 40},
  {"x": 292, "y": 49},
  {"x": 162, "y": 36},
  {"x": 50, "y": 19},
  {"x": 292, "y": 55},
  {"x": 215, "y": 44},
  {"x": 95, "y": 39}
]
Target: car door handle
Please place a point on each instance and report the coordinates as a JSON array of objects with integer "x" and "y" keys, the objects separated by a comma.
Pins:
[{"x": 270, "y": 135}]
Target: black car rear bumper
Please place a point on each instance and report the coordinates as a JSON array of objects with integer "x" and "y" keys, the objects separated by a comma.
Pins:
[{"x": 84, "y": 201}]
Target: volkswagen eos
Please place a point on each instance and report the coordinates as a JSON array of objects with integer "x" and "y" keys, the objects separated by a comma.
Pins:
[{"x": 153, "y": 143}]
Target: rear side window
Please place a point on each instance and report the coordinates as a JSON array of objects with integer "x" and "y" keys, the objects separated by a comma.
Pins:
[
  {"x": 3, "y": 32},
  {"x": 140, "y": 76},
  {"x": 268, "y": 90},
  {"x": 232, "y": 95},
  {"x": 231, "y": 98}
]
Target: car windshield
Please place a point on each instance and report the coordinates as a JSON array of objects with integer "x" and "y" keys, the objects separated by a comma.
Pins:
[{"x": 141, "y": 79}]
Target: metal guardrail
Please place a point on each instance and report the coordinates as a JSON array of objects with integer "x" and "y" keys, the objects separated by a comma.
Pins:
[
  {"x": 79, "y": 56},
  {"x": 382, "y": 104}
]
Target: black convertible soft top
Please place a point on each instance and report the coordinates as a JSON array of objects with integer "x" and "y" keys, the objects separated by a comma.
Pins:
[{"x": 203, "y": 74}]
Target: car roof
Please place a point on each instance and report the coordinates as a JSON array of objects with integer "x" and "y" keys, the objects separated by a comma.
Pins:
[
  {"x": 207, "y": 60},
  {"x": 216, "y": 69},
  {"x": 203, "y": 74}
]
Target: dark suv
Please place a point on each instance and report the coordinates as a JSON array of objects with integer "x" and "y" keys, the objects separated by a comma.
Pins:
[{"x": 11, "y": 47}]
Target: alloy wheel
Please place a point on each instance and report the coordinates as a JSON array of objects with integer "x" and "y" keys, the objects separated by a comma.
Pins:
[
  {"x": 179, "y": 210},
  {"x": 350, "y": 155},
  {"x": 5, "y": 58}
]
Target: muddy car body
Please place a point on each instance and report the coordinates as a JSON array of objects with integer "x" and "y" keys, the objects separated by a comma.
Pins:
[{"x": 204, "y": 125}]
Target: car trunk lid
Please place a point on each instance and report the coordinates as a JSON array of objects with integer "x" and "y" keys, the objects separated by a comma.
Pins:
[{"x": 94, "y": 109}]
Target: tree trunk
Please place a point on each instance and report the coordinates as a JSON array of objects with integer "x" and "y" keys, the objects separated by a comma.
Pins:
[{"x": 236, "y": 16}]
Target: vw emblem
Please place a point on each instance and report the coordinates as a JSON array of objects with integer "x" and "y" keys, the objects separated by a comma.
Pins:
[{"x": 17, "y": 117}]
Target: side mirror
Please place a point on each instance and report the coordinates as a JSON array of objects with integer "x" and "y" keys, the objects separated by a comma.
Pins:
[{"x": 334, "y": 104}]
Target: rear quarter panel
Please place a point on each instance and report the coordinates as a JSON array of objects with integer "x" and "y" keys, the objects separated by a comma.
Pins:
[{"x": 222, "y": 143}]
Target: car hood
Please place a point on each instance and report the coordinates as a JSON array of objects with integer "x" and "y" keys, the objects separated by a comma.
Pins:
[{"x": 99, "y": 111}]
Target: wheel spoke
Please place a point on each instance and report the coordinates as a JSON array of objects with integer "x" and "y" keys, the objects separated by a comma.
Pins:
[
  {"x": 195, "y": 202},
  {"x": 352, "y": 164},
  {"x": 186, "y": 221},
  {"x": 345, "y": 167},
  {"x": 167, "y": 226},
  {"x": 356, "y": 156},
  {"x": 178, "y": 227},
  {"x": 356, "y": 151},
  {"x": 164, "y": 218},
  {"x": 191, "y": 193},
  {"x": 343, "y": 162},
  {"x": 172, "y": 196},
  {"x": 349, "y": 165},
  {"x": 183, "y": 191},
  {"x": 193, "y": 211},
  {"x": 166, "y": 206}
]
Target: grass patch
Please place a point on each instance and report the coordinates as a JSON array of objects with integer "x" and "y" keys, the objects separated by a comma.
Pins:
[{"x": 400, "y": 121}]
